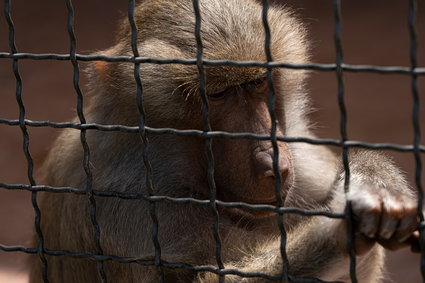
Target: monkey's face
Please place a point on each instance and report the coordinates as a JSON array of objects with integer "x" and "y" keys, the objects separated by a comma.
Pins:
[
  {"x": 237, "y": 96},
  {"x": 244, "y": 167}
]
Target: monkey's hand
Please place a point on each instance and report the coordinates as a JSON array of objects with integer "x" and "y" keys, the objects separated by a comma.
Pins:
[{"x": 384, "y": 206}]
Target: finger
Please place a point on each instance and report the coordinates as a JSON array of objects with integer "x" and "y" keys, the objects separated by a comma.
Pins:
[
  {"x": 392, "y": 211},
  {"x": 409, "y": 222},
  {"x": 368, "y": 209}
]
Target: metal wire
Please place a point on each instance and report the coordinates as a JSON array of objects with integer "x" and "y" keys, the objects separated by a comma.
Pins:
[
  {"x": 273, "y": 138},
  {"x": 83, "y": 139},
  {"x": 339, "y": 68},
  {"x": 344, "y": 136},
  {"x": 212, "y": 134},
  {"x": 416, "y": 127},
  {"x": 142, "y": 133},
  {"x": 164, "y": 263},
  {"x": 208, "y": 140},
  {"x": 208, "y": 62},
  {"x": 26, "y": 140}
]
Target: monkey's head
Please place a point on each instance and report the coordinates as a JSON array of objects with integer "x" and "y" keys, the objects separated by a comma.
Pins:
[{"x": 238, "y": 96}]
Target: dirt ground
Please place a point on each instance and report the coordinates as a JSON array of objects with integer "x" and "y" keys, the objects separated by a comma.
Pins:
[{"x": 375, "y": 32}]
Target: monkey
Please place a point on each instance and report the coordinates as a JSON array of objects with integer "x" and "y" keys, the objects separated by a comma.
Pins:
[{"x": 312, "y": 176}]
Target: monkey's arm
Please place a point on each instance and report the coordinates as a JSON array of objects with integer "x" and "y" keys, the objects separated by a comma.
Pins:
[
  {"x": 313, "y": 250},
  {"x": 384, "y": 209}
]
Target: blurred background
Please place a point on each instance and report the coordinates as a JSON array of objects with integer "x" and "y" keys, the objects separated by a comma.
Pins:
[{"x": 379, "y": 106}]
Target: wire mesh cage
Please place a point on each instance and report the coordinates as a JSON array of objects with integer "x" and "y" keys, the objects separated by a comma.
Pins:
[{"x": 414, "y": 72}]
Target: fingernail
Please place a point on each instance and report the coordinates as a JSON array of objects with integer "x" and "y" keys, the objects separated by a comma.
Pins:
[
  {"x": 404, "y": 238},
  {"x": 369, "y": 231},
  {"x": 385, "y": 233}
]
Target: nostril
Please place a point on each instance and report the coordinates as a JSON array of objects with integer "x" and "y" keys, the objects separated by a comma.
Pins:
[
  {"x": 264, "y": 165},
  {"x": 283, "y": 169},
  {"x": 269, "y": 173}
]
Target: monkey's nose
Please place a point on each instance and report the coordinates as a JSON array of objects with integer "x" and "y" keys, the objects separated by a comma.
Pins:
[{"x": 264, "y": 164}]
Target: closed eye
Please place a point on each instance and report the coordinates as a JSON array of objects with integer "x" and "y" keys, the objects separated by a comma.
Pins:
[
  {"x": 257, "y": 84},
  {"x": 219, "y": 94}
]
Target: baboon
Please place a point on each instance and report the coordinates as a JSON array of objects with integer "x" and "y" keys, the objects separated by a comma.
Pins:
[{"x": 312, "y": 176}]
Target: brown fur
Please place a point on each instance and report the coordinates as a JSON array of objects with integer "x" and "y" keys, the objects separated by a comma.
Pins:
[{"x": 231, "y": 29}]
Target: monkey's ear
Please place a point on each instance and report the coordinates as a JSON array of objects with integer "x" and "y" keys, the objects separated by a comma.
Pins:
[{"x": 100, "y": 68}]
